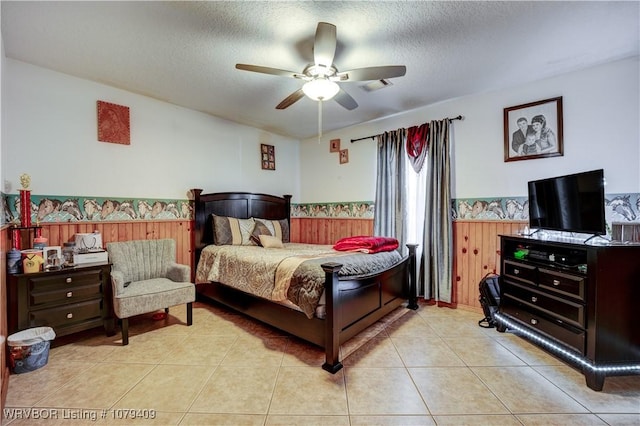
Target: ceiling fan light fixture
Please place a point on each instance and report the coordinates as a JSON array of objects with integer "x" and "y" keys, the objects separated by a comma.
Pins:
[{"x": 321, "y": 89}]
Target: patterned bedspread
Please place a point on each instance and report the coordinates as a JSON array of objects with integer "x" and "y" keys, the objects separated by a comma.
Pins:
[{"x": 292, "y": 273}]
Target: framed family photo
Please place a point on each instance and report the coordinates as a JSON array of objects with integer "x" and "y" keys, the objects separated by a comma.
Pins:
[{"x": 533, "y": 130}]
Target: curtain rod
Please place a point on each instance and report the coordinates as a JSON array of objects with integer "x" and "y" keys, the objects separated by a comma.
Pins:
[{"x": 371, "y": 137}]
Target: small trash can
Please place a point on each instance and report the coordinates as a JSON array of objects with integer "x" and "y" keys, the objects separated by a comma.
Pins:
[{"x": 29, "y": 349}]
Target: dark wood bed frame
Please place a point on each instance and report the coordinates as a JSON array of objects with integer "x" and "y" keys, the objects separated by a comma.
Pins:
[{"x": 352, "y": 304}]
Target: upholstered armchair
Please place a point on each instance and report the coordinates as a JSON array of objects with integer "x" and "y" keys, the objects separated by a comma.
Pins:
[{"x": 146, "y": 278}]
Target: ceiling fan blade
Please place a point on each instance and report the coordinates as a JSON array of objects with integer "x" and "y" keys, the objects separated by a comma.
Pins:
[
  {"x": 372, "y": 73},
  {"x": 345, "y": 99},
  {"x": 268, "y": 70},
  {"x": 291, "y": 99},
  {"x": 324, "y": 47}
]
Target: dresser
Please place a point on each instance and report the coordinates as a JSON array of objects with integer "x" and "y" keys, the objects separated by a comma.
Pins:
[
  {"x": 68, "y": 300},
  {"x": 579, "y": 301}
]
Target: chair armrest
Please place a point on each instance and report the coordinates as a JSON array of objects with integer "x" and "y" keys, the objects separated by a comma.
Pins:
[
  {"x": 117, "y": 282},
  {"x": 179, "y": 273}
]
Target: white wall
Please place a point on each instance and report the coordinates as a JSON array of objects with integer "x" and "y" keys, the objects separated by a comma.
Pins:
[
  {"x": 601, "y": 130},
  {"x": 50, "y": 132}
]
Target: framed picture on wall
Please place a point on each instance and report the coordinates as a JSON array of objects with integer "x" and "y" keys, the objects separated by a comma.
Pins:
[
  {"x": 268, "y": 157},
  {"x": 533, "y": 130},
  {"x": 344, "y": 156},
  {"x": 113, "y": 123}
]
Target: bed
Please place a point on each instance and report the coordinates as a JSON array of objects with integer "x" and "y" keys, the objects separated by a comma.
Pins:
[{"x": 350, "y": 303}]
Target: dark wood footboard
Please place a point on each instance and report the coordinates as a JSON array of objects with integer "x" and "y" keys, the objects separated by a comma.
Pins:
[{"x": 353, "y": 304}]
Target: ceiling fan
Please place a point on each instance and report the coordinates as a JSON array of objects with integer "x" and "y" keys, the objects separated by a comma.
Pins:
[{"x": 322, "y": 77}]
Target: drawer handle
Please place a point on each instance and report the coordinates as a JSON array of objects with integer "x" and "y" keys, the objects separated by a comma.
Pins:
[
  {"x": 69, "y": 315},
  {"x": 534, "y": 299},
  {"x": 556, "y": 282},
  {"x": 516, "y": 271},
  {"x": 534, "y": 321},
  {"x": 69, "y": 279},
  {"x": 69, "y": 294}
]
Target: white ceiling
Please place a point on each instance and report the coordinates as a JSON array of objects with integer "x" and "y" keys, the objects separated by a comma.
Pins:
[{"x": 185, "y": 52}]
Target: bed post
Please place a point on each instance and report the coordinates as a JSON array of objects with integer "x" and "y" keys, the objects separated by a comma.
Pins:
[
  {"x": 413, "y": 294},
  {"x": 196, "y": 235},
  {"x": 332, "y": 362},
  {"x": 287, "y": 201}
]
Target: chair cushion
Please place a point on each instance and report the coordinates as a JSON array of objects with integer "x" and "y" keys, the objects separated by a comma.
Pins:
[{"x": 144, "y": 296}]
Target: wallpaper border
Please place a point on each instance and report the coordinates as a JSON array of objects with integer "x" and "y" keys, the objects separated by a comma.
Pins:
[{"x": 56, "y": 209}]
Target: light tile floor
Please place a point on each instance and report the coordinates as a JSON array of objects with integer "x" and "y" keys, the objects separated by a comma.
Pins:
[{"x": 424, "y": 367}]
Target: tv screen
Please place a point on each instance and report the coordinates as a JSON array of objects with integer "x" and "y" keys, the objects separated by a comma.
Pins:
[{"x": 572, "y": 203}]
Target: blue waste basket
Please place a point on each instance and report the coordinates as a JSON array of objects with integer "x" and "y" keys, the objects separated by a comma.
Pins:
[{"x": 29, "y": 349}]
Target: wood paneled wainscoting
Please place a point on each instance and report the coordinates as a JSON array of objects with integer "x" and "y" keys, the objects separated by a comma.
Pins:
[
  {"x": 179, "y": 230},
  {"x": 327, "y": 230},
  {"x": 476, "y": 252}
]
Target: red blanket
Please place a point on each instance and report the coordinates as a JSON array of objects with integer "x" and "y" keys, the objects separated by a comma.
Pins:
[{"x": 366, "y": 244}]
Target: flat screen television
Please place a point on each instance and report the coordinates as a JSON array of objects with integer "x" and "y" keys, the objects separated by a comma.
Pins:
[{"x": 571, "y": 203}]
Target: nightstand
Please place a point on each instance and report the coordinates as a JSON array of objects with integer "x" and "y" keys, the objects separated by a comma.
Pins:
[{"x": 68, "y": 300}]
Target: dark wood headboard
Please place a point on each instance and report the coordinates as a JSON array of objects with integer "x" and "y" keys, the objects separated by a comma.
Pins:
[{"x": 242, "y": 205}]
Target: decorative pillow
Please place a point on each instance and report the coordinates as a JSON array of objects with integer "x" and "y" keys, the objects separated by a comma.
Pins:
[
  {"x": 269, "y": 241},
  {"x": 277, "y": 228},
  {"x": 259, "y": 229},
  {"x": 232, "y": 231}
]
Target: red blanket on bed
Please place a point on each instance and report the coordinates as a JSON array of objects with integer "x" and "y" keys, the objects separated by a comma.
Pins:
[{"x": 366, "y": 244}]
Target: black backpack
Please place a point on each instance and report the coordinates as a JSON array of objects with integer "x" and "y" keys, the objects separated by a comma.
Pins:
[{"x": 489, "y": 289}]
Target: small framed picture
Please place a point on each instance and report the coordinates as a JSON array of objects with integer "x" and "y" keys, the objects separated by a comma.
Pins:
[
  {"x": 334, "y": 145},
  {"x": 268, "y": 157},
  {"x": 344, "y": 156},
  {"x": 533, "y": 130}
]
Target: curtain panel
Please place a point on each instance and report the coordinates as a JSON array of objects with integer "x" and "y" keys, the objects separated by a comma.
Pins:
[
  {"x": 437, "y": 242},
  {"x": 389, "y": 211}
]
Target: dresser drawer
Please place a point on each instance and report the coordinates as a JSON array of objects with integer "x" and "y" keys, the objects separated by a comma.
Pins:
[
  {"x": 570, "y": 285},
  {"x": 65, "y": 295},
  {"x": 520, "y": 271},
  {"x": 66, "y": 315},
  {"x": 44, "y": 282},
  {"x": 562, "y": 309},
  {"x": 563, "y": 333}
]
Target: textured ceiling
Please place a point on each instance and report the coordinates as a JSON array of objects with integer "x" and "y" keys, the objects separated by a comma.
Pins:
[{"x": 185, "y": 52}]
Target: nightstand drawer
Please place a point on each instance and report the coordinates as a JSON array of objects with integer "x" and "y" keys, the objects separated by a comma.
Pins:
[
  {"x": 66, "y": 295},
  {"x": 520, "y": 271},
  {"x": 68, "y": 314},
  {"x": 570, "y": 285},
  {"x": 44, "y": 282}
]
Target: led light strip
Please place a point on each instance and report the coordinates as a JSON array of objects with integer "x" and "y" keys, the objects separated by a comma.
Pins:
[{"x": 578, "y": 359}]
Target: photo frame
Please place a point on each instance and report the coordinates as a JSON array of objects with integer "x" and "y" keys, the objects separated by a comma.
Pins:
[
  {"x": 268, "y": 157},
  {"x": 533, "y": 130},
  {"x": 334, "y": 145},
  {"x": 344, "y": 156}
]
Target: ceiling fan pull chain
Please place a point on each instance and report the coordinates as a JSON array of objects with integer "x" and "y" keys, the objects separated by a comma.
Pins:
[{"x": 319, "y": 120}]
